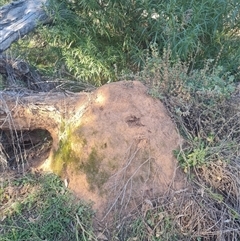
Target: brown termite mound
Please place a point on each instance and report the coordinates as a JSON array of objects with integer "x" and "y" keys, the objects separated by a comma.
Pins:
[
  {"x": 117, "y": 150},
  {"x": 113, "y": 146}
]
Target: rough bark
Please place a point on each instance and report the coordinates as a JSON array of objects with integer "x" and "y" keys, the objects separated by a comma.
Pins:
[
  {"x": 29, "y": 111},
  {"x": 18, "y": 19}
]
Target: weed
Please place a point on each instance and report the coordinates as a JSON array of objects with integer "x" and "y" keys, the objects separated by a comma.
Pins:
[{"x": 3, "y": 2}]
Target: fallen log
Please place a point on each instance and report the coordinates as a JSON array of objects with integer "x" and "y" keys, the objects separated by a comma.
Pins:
[
  {"x": 30, "y": 111},
  {"x": 19, "y": 18}
]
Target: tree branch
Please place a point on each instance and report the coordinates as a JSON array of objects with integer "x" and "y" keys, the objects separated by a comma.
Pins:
[{"x": 18, "y": 19}]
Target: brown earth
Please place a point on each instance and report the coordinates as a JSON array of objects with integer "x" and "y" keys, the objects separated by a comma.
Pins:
[{"x": 118, "y": 151}]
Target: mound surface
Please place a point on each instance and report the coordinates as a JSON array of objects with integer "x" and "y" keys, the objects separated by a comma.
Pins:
[{"x": 117, "y": 151}]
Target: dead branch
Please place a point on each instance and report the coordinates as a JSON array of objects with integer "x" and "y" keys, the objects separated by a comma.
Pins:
[{"x": 18, "y": 19}]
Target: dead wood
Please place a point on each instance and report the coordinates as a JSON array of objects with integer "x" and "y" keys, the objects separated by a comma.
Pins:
[
  {"x": 18, "y": 19},
  {"x": 30, "y": 111},
  {"x": 17, "y": 73}
]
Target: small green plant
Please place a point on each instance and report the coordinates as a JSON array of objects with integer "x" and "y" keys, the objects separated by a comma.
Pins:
[
  {"x": 152, "y": 225},
  {"x": 194, "y": 157},
  {"x": 3, "y": 2}
]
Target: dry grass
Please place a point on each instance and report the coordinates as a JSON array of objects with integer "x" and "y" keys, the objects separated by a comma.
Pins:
[{"x": 203, "y": 104}]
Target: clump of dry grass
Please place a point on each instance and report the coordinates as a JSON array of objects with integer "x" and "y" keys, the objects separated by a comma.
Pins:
[
  {"x": 202, "y": 103},
  {"x": 208, "y": 209}
]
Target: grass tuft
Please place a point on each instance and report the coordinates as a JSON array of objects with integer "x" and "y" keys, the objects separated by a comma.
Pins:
[{"x": 39, "y": 207}]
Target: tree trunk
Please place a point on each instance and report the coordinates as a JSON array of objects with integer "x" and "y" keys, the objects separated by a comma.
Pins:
[
  {"x": 30, "y": 111},
  {"x": 18, "y": 19}
]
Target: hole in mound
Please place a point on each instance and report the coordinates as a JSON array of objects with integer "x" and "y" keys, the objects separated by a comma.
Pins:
[
  {"x": 133, "y": 121},
  {"x": 20, "y": 150}
]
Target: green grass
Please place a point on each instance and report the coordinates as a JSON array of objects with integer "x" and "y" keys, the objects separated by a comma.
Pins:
[
  {"x": 38, "y": 207},
  {"x": 3, "y": 2}
]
